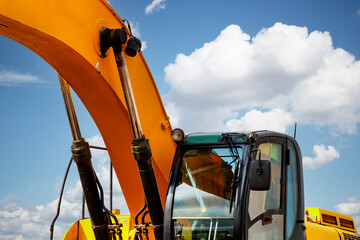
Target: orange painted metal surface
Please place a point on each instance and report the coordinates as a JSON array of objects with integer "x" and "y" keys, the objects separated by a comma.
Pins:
[{"x": 66, "y": 35}]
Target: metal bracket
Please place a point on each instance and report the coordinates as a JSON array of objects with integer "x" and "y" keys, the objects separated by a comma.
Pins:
[
  {"x": 165, "y": 124},
  {"x": 267, "y": 218}
]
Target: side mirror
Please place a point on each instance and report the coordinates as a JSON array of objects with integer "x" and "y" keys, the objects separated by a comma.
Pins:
[{"x": 260, "y": 175}]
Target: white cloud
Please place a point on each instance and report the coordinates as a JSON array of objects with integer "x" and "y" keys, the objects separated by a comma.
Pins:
[
  {"x": 283, "y": 68},
  {"x": 30, "y": 223},
  {"x": 135, "y": 29},
  {"x": 156, "y": 5},
  {"x": 275, "y": 120},
  {"x": 10, "y": 78},
  {"x": 143, "y": 45},
  {"x": 350, "y": 207},
  {"x": 358, "y": 12},
  {"x": 322, "y": 156}
]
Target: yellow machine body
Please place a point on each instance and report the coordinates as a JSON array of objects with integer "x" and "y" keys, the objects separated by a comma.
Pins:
[
  {"x": 324, "y": 224},
  {"x": 82, "y": 230}
]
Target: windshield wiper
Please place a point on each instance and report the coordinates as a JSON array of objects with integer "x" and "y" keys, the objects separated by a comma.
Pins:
[{"x": 236, "y": 159}]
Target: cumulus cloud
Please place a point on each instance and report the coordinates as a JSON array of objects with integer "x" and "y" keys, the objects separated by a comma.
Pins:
[
  {"x": 143, "y": 45},
  {"x": 31, "y": 223},
  {"x": 275, "y": 120},
  {"x": 17, "y": 222},
  {"x": 282, "y": 69},
  {"x": 10, "y": 78},
  {"x": 322, "y": 156},
  {"x": 135, "y": 29},
  {"x": 155, "y": 5},
  {"x": 350, "y": 207}
]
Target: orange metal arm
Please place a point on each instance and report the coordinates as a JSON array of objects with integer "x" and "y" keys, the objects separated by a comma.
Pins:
[{"x": 66, "y": 35}]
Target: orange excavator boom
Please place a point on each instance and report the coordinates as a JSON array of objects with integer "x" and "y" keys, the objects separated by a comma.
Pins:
[{"x": 66, "y": 35}]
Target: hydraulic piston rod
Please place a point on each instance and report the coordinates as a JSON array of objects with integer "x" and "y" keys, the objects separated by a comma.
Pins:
[
  {"x": 82, "y": 156},
  {"x": 70, "y": 109}
]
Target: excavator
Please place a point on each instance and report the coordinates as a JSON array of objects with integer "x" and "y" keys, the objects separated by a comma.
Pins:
[{"x": 230, "y": 185}]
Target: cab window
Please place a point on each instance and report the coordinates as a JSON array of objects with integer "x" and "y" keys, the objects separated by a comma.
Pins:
[
  {"x": 202, "y": 208},
  {"x": 265, "y": 212},
  {"x": 292, "y": 191}
]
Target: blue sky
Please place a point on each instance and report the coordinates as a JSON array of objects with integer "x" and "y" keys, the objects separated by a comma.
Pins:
[{"x": 219, "y": 65}]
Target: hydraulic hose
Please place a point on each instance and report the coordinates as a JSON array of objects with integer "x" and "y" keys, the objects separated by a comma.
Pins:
[{"x": 60, "y": 198}]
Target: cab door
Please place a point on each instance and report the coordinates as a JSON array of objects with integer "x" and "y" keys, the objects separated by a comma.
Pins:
[
  {"x": 276, "y": 214},
  {"x": 266, "y": 208}
]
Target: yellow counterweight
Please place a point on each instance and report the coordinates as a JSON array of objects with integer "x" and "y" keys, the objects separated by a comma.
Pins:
[{"x": 324, "y": 224}]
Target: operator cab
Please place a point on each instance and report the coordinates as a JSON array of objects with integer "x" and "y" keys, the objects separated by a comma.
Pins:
[{"x": 235, "y": 186}]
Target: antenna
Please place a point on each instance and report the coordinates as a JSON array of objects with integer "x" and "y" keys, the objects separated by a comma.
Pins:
[{"x": 295, "y": 130}]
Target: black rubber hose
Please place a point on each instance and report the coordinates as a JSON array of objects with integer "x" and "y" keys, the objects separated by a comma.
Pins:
[
  {"x": 102, "y": 201},
  {"x": 138, "y": 214},
  {"x": 60, "y": 198}
]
